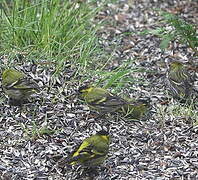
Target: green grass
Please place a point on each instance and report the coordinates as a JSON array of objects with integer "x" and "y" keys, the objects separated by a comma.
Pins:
[
  {"x": 179, "y": 29},
  {"x": 117, "y": 78},
  {"x": 58, "y": 33},
  {"x": 177, "y": 112},
  {"x": 35, "y": 131},
  {"x": 55, "y": 30}
]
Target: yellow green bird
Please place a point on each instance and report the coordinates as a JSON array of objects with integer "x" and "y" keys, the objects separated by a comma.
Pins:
[
  {"x": 92, "y": 151},
  {"x": 179, "y": 81},
  {"x": 136, "y": 109},
  {"x": 100, "y": 99},
  {"x": 17, "y": 85}
]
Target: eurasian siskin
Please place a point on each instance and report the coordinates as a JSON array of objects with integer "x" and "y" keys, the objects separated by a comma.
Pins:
[
  {"x": 179, "y": 81},
  {"x": 92, "y": 151},
  {"x": 100, "y": 99},
  {"x": 17, "y": 85},
  {"x": 136, "y": 109}
]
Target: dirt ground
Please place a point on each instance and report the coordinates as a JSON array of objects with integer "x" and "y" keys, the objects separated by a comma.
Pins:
[{"x": 161, "y": 148}]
